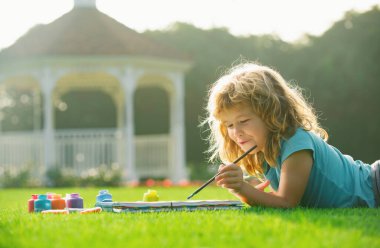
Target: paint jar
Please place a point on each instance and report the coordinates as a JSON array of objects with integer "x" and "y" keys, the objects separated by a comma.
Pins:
[
  {"x": 104, "y": 196},
  {"x": 49, "y": 195},
  {"x": 42, "y": 203},
  {"x": 57, "y": 202},
  {"x": 74, "y": 201},
  {"x": 31, "y": 203}
]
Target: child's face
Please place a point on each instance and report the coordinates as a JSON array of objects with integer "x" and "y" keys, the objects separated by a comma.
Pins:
[{"x": 245, "y": 128}]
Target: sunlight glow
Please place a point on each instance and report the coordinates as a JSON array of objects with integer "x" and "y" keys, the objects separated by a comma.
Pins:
[{"x": 288, "y": 19}]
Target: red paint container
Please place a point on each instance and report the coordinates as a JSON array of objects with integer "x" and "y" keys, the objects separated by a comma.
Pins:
[{"x": 31, "y": 203}]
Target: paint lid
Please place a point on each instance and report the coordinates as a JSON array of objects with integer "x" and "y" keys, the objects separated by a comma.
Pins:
[
  {"x": 72, "y": 195},
  {"x": 42, "y": 197},
  {"x": 50, "y": 194},
  {"x": 103, "y": 191},
  {"x": 34, "y": 196},
  {"x": 104, "y": 196},
  {"x": 56, "y": 196}
]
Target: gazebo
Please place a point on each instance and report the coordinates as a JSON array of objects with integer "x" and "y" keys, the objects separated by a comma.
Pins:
[{"x": 87, "y": 50}]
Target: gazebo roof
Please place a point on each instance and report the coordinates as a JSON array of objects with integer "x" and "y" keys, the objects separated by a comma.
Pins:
[{"x": 86, "y": 31}]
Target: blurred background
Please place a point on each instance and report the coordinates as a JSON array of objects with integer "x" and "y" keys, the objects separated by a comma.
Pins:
[{"x": 109, "y": 92}]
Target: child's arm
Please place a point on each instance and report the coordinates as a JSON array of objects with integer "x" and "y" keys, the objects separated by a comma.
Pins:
[{"x": 294, "y": 177}]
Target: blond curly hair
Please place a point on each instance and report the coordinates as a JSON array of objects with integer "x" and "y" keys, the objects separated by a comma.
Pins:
[{"x": 281, "y": 106}]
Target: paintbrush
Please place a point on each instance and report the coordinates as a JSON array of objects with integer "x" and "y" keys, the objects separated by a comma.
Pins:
[{"x": 213, "y": 178}]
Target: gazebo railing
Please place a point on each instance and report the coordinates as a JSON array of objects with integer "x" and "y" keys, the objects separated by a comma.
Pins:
[
  {"x": 81, "y": 150},
  {"x": 85, "y": 149},
  {"x": 152, "y": 156},
  {"x": 19, "y": 151}
]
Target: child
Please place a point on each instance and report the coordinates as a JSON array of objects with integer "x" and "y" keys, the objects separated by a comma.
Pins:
[{"x": 253, "y": 105}]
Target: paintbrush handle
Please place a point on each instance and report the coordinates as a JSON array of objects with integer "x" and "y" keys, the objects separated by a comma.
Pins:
[
  {"x": 204, "y": 185},
  {"x": 213, "y": 178},
  {"x": 244, "y": 154}
]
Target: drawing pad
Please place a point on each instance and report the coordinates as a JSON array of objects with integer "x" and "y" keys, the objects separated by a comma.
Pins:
[{"x": 165, "y": 206}]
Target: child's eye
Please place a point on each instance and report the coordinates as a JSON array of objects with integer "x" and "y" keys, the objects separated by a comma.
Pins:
[{"x": 244, "y": 121}]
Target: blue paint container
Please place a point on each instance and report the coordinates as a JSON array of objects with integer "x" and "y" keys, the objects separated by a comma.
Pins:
[
  {"x": 104, "y": 196},
  {"x": 42, "y": 203}
]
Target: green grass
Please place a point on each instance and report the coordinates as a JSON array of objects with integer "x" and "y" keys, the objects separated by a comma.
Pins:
[{"x": 251, "y": 227}]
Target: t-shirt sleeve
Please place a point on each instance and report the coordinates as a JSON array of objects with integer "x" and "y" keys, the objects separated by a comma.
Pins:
[
  {"x": 301, "y": 140},
  {"x": 273, "y": 177}
]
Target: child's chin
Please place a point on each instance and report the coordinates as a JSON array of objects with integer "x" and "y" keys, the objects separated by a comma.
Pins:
[{"x": 247, "y": 147}]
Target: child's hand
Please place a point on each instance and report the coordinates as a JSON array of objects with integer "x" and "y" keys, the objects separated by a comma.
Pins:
[{"x": 230, "y": 177}]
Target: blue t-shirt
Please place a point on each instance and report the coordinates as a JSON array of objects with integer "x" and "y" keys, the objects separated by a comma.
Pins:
[{"x": 335, "y": 180}]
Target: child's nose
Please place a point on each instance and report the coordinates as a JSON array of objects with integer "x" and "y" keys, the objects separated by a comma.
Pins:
[{"x": 238, "y": 131}]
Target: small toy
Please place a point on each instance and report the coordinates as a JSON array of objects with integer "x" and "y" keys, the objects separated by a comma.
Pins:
[{"x": 150, "y": 196}]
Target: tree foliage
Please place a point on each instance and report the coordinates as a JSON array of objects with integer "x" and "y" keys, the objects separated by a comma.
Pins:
[{"x": 339, "y": 71}]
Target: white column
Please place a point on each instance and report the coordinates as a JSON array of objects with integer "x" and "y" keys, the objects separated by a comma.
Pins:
[
  {"x": 48, "y": 82},
  {"x": 177, "y": 129},
  {"x": 129, "y": 83},
  {"x": 36, "y": 110}
]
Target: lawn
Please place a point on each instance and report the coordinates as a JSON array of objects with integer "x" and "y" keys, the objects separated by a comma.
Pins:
[{"x": 251, "y": 227}]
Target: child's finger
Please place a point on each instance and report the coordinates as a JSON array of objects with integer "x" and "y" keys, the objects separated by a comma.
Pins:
[
  {"x": 224, "y": 168},
  {"x": 263, "y": 185},
  {"x": 221, "y": 167},
  {"x": 231, "y": 181}
]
